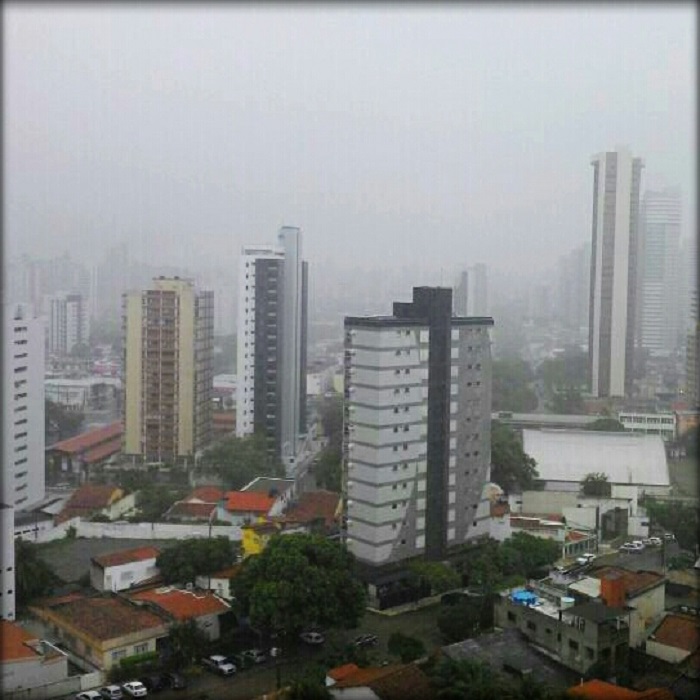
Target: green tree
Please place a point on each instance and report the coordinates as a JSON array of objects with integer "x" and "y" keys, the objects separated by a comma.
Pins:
[
  {"x": 186, "y": 642},
  {"x": 465, "y": 679},
  {"x": 609, "y": 425},
  {"x": 596, "y": 484},
  {"x": 305, "y": 689},
  {"x": 407, "y": 648},
  {"x": 328, "y": 469},
  {"x": 566, "y": 401},
  {"x": 441, "y": 577},
  {"x": 512, "y": 469},
  {"x": 331, "y": 415},
  {"x": 511, "y": 386},
  {"x": 677, "y": 517},
  {"x": 60, "y": 423},
  {"x": 462, "y": 621},
  {"x": 534, "y": 553},
  {"x": 299, "y": 580},
  {"x": 33, "y": 576},
  {"x": 237, "y": 461},
  {"x": 184, "y": 561}
]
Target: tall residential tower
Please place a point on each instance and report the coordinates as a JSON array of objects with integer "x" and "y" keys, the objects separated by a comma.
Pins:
[
  {"x": 616, "y": 181},
  {"x": 168, "y": 345},
  {"x": 272, "y": 329},
  {"x": 417, "y": 428}
]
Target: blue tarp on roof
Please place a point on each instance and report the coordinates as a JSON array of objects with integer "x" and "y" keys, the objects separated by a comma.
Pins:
[{"x": 523, "y": 597}]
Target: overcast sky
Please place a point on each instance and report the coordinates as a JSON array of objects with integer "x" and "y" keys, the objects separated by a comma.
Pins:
[{"x": 397, "y": 133}]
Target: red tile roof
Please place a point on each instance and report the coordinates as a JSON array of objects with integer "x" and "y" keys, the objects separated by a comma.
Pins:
[
  {"x": 182, "y": 604},
  {"x": 97, "y": 454},
  {"x": 364, "y": 676},
  {"x": 106, "y": 617},
  {"x": 313, "y": 505},
  {"x": 340, "y": 672},
  {"x": 228, "y": 572},
  {"x": 634, "y": 582},
  {"x": 87, "y": 499},
  {"x": 575, "y": 536},
  {"x": 206, "y": 494},
  {"x": 601, "y": 690},
  {"x": 93, "y": 438},
  {"x": 248, "y": 501},
  {"x": 405, "y": 683},
  {"x": 13, "y": 642},
  {"x": 125, "y": 556},
  {"x": 680, "y": 631}
]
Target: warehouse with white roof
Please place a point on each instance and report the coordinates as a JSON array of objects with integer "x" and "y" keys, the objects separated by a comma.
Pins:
[{"x": 565, "y": 457}]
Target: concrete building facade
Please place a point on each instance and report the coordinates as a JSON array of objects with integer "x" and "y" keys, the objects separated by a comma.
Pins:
[
  {"x": 471, "y": 292},
  {"x": 168, "y": 347},
  {"x": 416, "y": 429},
  {"x": 272, "y": 340},
  {"x": 7, "y": 562},
  {"x": 660, "y": 311},
  {"x": 613, "y": 288},
  {"x": 23, "y": 481},
  {"x": 69, "y": 323}
]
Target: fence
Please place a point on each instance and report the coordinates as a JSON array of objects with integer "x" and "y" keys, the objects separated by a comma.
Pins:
[
  {"x": 68, "y": 686},
  {"x": 138, "y": 531}
]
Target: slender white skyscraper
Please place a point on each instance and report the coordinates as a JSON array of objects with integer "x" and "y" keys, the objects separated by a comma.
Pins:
[
  {"x": 272, "y": 328},
  {"x": 616, "y": 180},
  {"x": 23, "y": 483},
  {"x": 660, "y": 311}
]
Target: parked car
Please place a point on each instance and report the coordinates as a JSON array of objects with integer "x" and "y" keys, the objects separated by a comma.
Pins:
[
  {"x": 312, "y": 638},
  {"x": 255, "y": 655},
  {"x": 241, "y": 661},
  {"x": 153, "y": 682},
  {"x": 655, "y": 541},
  {"x": 669, "y": 537},
  {"x": 365, "y": 640},
  {"x": 135, "y": 689},
  {"x": 586, "y": 558},
  {"x": 219, "y": 664},
  {"x": 175, "y": 681},
  {"x": 89, "y": 695},
  {"x": 632, "y": 547},
  {"x": 111, "y": 692}
]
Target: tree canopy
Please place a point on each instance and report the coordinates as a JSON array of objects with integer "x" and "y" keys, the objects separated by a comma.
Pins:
[
  {"x": 440, "y": 576},
  {"x": 300, "y": 580},
  {"x": 596, "y": 484},
  {"x": 677, "y": 517},
  {"x": 566, "y": 401},
  {"x": 511, "y": 386},
  {"x": 60, "y": 423},
  {"x": 33, "y": 576},
  {"x": 609, "y": 425},
  {"x": 404, "y": 646},
  {"x": 512, "y": 469},
  {"x": 186, "y": 641},
  {"x": 184, "y": 561},
  {"x": 237, "y": 461}
]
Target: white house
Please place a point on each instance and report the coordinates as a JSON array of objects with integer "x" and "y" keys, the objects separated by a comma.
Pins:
[
  {"x": 121, "y": 570},
  {"x": 27, "y": 662},
  {"x": 219, "y": 582}
]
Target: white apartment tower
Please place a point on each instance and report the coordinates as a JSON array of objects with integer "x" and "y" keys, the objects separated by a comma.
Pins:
[
  {"x": 7, "y": 561},
  {"x": 23, "y": 481},
  {"x": 660, "y": 312},
  {"x": 272, "y": 328},
  {"x": 616, "y": 182},
  {"x": 417, "y": 428},
  {"x": 69, "y": 322}
]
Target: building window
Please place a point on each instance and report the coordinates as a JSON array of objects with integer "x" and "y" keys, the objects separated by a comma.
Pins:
[
  {"x": 590, "y": 654},
  {"x": 397, "y": 371},
  {"x": 394, "y": 487},
  {"x": 573, "y": 645},
  {"x": 531, "y": 625},
  {"x": 140, "y": 648},
  {"x": 511, "y": 617},
  {"x": 406, "y": 390},
  {"x": 396, "y": 409},
  {"x": 396, "y": 448},
  {"x": 396, "y": 468},
  {"x": 547, "y": 630},
  {"x": 119, "y": 654},
  {"x": 394, "y": 506}
]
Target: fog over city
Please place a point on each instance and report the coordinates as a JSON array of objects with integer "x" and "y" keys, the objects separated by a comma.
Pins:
[{"x": 437, "y": 137}]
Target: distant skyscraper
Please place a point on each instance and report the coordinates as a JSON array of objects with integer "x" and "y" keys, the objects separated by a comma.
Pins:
[
  {"x": 69, "y": 323},
  {"x": 168, "y": 344},
  {"x": 417, "y": 428},
  {"x": 471, "y": 292},
  {"x": 574, "y": 278},
  {"x": 660, "y": 312},
  {"x": 616, "y": 181},
  {"x": 272, "y": 330},
  {"x": 23, "y": 483}
]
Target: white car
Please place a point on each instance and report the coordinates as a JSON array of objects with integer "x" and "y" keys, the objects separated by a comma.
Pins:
[
  {"x": 586, "y": 558},
  {"x": 219, "y": 664},
  {"x": 135, "y": 689},
  {"x": 89, "y": 695},
  {"x": 655, "y": 541},
  {"x": 633, "y": 547},
  {"x": 312, "y": 637},
  {"x": 111, "y": 692}
]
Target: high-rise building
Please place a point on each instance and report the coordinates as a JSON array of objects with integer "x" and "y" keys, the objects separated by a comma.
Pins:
[
  {"x": 168, "y": 348},
  {"x": 660, "y": 311},
  {"x": 69, "y": 323},
  {"x": 23, "y": 407},
  {"x": 7, "y": 561},
  {"x": 616, "y": 181},
  {"x": 574, "y": 277},
  {"x": 471, "y": 292},
  {"x": 272, "y": 330},
  {"x": 417, "y": 428}
]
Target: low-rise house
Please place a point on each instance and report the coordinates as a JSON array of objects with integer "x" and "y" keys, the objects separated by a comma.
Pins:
[
  {"x": 102, "y": 629},
  {"x": 676, "y": 638},
  {"x": 219, "y": 582},
  {"x": 320, "y": 510},
  {"x": 596, "y": 689},
  {"x": 394, "y": 682},
  {"x": 574, "y": 541},
  {"x": 180, "y": 605},
  {"x": 578, "y": 636},
  {"x": 200, "y": 506},
  {"x": 27, "y": 662},
  {"x": 245, "y": 507},
  {"x": 121, "y": 570},
  {"x": 91, "y": 499}
]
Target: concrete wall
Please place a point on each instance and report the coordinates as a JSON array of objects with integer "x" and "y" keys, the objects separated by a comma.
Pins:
[
  {"x": 30, "y": 674},
  {"x": 648, "y": 607},
  {"x": 673, "y": 655},
  {"x": 540, "y": 502}
]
